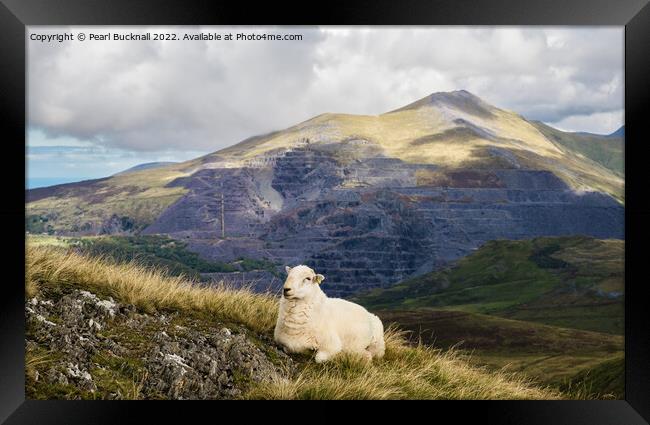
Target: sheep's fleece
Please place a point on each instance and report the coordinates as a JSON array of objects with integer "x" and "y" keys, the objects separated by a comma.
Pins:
[{"x": 309, "y": 320}]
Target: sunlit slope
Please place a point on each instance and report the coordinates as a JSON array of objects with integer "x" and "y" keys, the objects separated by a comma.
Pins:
[
  {"x": 428, "y": 133},
  {"x": 605, "y": 150},
  {"x": 138, "y": 196},
  {"x": 452, "y": 130}
]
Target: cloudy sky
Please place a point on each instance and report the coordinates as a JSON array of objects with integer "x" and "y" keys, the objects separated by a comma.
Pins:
[{"x": 98, "y": 107}]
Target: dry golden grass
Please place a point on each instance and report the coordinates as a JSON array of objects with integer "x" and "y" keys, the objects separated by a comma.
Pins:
[
  {"x": 406, "y": 372},
  {"x": 148, "y": 289}
]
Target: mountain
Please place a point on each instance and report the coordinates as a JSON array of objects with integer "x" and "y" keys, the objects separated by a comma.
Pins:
[
  {"x": 369, "y": 200},
  {"x": 146, "y": 166}
]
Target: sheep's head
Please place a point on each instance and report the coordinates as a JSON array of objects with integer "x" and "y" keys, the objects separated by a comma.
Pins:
[{"x": 301, "y": 282}]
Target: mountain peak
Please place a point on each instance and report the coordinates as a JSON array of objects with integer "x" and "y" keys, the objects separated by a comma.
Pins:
[
  {"x": 457, "y": 99},
  {"x": 454, "y": 94}
]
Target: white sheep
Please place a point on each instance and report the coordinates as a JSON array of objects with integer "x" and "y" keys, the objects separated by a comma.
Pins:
[{"x": 309, "y": 320}]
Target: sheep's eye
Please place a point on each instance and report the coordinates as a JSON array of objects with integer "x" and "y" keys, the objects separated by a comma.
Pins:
[{"x": 308, "y": 278}]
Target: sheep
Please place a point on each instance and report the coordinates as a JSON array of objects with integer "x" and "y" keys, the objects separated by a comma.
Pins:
[{"x": 309, "y": 320}]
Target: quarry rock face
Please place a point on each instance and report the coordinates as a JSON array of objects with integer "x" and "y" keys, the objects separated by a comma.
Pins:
[{"x": 375, "y": 221}]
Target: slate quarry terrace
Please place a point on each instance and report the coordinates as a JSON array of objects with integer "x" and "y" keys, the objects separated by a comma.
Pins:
[{"x": 368, "y": 223}]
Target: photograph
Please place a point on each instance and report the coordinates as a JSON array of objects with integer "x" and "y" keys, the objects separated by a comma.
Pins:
[{"x": 325, "y": 212}]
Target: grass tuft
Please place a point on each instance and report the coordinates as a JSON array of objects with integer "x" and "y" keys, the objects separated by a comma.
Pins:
[
  {"x": 405, "y": 372},
  {"x": 149, "y": 289}
]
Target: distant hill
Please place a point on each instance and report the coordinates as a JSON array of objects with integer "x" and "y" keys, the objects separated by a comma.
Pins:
[
  {"x": 618, "y": 133},
  {"x": 551, "y": 308},
  {"x": 146, "y": 166},
  {"x": 606, "y": 150},
  {"x": 572, "y": 282}
]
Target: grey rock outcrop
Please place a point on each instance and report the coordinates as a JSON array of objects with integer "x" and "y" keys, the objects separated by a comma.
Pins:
[{"x": 95, "y": 347}]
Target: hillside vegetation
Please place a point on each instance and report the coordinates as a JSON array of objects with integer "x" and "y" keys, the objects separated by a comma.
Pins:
[
  {"x": 159, "y": 306},
  {"x": 574, "y": 282},
  {"x": 606, "y": 150}
]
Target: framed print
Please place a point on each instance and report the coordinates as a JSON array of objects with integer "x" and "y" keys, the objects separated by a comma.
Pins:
[{"x": 385, "y": 201}]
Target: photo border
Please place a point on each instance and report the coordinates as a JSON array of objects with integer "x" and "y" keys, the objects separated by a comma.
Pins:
[{"x": 15, "y": 15}]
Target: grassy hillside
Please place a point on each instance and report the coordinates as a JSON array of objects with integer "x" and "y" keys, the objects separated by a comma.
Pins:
[
  {"x": 550, "y": 308},
  {"x": 572, "y": 360},
  {"x": 606, "y": 150},
  {"x": 405, "y": 372},
  {"x": 137, "y": 198},
  {"x": 160, "y": 252},
  {"x": 574, "y": 282},
  {"x": 608, "y": 377}
]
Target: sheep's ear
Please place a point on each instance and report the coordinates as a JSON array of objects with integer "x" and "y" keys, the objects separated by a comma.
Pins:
[
  {"x": 319, "y": 278},
  {"x": 287, "y": 269}
]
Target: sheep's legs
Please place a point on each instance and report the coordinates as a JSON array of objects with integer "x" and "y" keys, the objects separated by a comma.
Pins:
[
  {"x": 376, "y": 350},
  {"x": 329, "y": 350},
  {"x": 322, "y": 356}
]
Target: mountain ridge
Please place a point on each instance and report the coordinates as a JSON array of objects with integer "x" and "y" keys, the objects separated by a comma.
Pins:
[{"x": 146, "y": 166}]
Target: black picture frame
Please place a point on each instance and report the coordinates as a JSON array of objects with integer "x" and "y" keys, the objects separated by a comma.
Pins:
[{"x": 15, "y": 15}]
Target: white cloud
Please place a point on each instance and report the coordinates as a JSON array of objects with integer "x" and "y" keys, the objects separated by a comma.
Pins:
[
  {"x": 599, "y": 122},
  {"x": 205, "y": 95}
]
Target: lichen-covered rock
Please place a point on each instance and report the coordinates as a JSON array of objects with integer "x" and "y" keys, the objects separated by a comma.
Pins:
[{"x": 84, "y": 345}]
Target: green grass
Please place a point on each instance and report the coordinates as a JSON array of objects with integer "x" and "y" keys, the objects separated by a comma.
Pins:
[
  {"x": 36, "y": 223},
  {"x": 153, "y": 251},
  {"x": 608, "y": 377},
  {"x": 49, "y": 240},
  {"x": 607, "y": 151},
  {"x": 573, "y": 282},
  {"x": 550, "y": 308}
]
